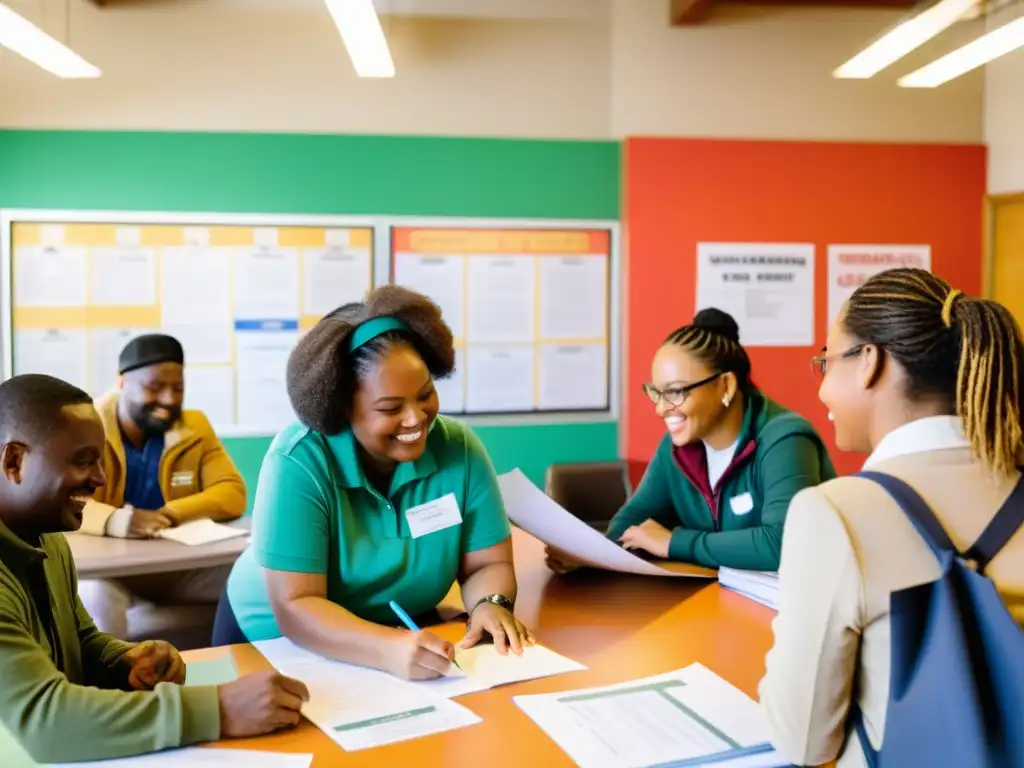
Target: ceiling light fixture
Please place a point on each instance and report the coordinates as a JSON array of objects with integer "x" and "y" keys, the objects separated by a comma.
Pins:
[
  {"x": 26, "y": 39},
  {"x": 360, "y": 29},
  {"x": 986, "y": 48},
  {"x": 901, "y": 40}
]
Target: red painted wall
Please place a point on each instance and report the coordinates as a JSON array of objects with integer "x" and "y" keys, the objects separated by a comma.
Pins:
[{"x": 679, "y": 192}]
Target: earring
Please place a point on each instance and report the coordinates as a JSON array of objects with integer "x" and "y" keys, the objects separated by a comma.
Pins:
[{"x": 726, "y": 401}]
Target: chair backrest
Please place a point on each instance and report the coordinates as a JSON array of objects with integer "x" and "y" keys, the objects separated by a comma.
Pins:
[
  {"x": 592, "y": 491},
  {"x": 956, "y": 694}
]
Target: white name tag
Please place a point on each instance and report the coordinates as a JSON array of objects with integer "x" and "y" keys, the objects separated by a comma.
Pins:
[
  {"x": 433, "y": 516},
  {"x": 183, "y": 479},
  {"x": 741, "y": 504}
]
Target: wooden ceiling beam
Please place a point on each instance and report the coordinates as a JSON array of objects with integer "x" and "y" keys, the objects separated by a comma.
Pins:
[{"x": 690, "y": 11}]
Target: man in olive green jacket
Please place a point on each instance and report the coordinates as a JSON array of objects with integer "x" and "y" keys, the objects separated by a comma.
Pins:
[{"x": 68, "y": 692}]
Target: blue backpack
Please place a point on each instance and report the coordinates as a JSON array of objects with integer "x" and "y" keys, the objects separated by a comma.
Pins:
[{"x": 956, "y": 697}]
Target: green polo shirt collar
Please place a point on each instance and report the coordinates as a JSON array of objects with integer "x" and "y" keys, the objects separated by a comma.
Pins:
[
  {"x": 19, "y": 549},
  {"x": 345, "y": 449}
]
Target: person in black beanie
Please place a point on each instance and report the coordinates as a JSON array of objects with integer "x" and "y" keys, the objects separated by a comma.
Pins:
[{"x": 164, "y": 466}]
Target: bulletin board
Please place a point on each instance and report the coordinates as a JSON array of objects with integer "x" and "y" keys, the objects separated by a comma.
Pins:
[
  {"x": 237, "y": 291},
  {"x": 531, "y": 306}
]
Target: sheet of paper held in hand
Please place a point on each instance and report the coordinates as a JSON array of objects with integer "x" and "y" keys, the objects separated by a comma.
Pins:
[
  {"x": 539, "y": 515},
  {"x": 682, "y": 718}
]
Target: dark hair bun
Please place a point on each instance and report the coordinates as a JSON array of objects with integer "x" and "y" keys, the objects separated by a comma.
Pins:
[{"x": 717, "y": 321}]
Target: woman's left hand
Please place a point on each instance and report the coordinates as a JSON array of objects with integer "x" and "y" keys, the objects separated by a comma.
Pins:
[
  {"x": 506, "y": 630},
  {"x": 648, "y": 536}
]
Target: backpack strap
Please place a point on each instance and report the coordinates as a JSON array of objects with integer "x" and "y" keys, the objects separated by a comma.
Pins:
[
  {"x": 1004, "y": 525},
  {"x": 917, "y": 509}
]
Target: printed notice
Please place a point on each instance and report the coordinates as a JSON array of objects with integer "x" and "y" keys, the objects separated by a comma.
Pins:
[
  {"x": 499, "y": 379},
  {"x": 50, "y": 276},
  {"x": 267, "y": 283},
  {"x": 501, "y": 299},
  {"x": 263, "y": 350},
  {"x": 573, "y": 378},
  {"x": 211, "y": 389},
  {"x": 574, "y": 297},
  {"x": 332, "y": 277},
  {"x": 849, "y": 267},
  {"x": 768, "y": 288},
  {"x": 441, "y": 278},
  {"x": 451, "y": 392},
  {"x": 55, "y": 352},
  {"x": 196, "y": 301},
  {"x": 123, "y": 277},
  {"x": 105, "y": 345}
]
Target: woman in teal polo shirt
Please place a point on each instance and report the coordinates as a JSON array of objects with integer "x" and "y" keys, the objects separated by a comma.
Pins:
[
  {"x": 374, "y": 497},
  {"x": 718, "y": 488}
]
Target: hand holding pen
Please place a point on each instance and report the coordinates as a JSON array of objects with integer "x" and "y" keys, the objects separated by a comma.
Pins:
[{"x": 421, "y": 654}]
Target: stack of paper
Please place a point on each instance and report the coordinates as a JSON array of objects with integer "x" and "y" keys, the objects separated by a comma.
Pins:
[
  {"x": 360, "y": 708},
  {"x": 203, "y": 531},
  {"x": 687, "y": 717},
  {"x": 536, "y": 513},
  {"x": 760, "y": 586}
]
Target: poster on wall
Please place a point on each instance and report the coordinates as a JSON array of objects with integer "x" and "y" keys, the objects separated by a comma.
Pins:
[
  {"x": 767, "y": 287},
  {"x": 849, "y": 266}
]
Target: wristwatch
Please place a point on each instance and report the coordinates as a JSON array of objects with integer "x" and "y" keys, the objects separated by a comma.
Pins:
[{"x": 499, "y": 600}]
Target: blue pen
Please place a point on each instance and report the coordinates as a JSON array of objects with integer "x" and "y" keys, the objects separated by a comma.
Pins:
[{"x": 411, "y": 625}]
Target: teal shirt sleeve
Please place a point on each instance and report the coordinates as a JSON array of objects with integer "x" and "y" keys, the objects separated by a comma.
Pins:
[
  {"x": 291, "y": 517},
  {"x": 786, "y": 467},
  {"x": 484, "y": 521},
  {"x": 651, "y": 501}
]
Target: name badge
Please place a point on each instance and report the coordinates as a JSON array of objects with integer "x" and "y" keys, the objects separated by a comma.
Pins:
[
  {"x": 741, "y": 504},
  {"x": 183, "y": 479},
  {"x": 433, "y": 516}
]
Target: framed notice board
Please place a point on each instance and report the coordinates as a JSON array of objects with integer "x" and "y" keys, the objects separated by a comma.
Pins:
[
  {"x": 236, "y": 290},
  {"x": 532, "y": 306}
]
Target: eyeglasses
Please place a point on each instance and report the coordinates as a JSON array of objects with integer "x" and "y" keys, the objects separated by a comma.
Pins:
[
  {"x": 820, "y": 363},
  {"x": 676, "y": 395}
]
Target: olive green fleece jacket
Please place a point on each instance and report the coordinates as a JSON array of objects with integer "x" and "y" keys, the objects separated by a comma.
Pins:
[
  {"x": 739, "y": 523},
  {"x": 64, "y": 692}
]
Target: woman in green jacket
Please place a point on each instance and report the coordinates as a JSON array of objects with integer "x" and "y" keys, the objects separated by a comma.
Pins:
[{"x": 718, "y": 488}]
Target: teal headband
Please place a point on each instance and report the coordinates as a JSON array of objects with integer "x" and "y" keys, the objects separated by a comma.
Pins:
[{"x": 373, "y": 328}]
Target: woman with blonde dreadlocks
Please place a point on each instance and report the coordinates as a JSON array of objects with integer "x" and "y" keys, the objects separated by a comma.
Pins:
[
  {"x": 929, "y": 382},
  {"x": 718, "y": 488}
]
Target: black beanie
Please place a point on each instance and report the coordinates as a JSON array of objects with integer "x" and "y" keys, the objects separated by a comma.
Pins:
[{"x": 151, "y": 349}]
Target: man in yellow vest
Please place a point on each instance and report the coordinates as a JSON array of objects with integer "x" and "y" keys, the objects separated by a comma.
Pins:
[{"x": 164, "y": 466}]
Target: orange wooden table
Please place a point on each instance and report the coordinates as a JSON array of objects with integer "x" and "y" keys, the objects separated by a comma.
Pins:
[{"x": 621, "y": 627}]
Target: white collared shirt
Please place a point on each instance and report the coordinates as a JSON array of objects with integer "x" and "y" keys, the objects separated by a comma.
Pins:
[{"x": 932, "y": 433}]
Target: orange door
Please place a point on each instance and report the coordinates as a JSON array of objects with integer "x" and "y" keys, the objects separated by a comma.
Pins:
[{"x": 1006, "y": 277}]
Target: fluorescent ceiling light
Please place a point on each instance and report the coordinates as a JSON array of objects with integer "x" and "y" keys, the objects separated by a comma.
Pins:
[
  {"x": 363, "y": 36},
  {"x": 908, "y": 36},
  {"x": 986, "y": 48},
  {"x": 25, "y": 38}
]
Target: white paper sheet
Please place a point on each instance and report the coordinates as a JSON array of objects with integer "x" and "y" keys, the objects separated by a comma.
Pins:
[
  {"x": 574, "y": 297},
  {"x": 46, "y": 276},
  {"x": 442, "y": 278},
  {"x": 60, "y": 353},
  {"x": 360, "y": 708},
  {"x": 195, "y": 305},
  {"x": 484, "y": 668},
  {"x": 260, "y": 363},
  {"x": 211, "y": 389},
  {"x": 203, "y": 531},
  {"x": 760, "y": 586},
  {"x": 768, "y": 288},
  {"x": 849, "y": 267},
  {"x": 689, "y": 714},
  {"x": 501, "y": 300},
  {"x": 105, "y": 346},
  {"x": 573, "y": 377},
  {"x": 451, "y": 392},
  {"x": 332, "y": 277},
  {"x": 267, "y": 283},
  {"x": 536, "y": 513},
  {"x": 123, "y": 276},
  {"x": 499, "y": 379}
]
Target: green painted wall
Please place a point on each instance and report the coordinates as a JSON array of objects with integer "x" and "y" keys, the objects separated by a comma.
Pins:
[{"x": 324, "y": 174}]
